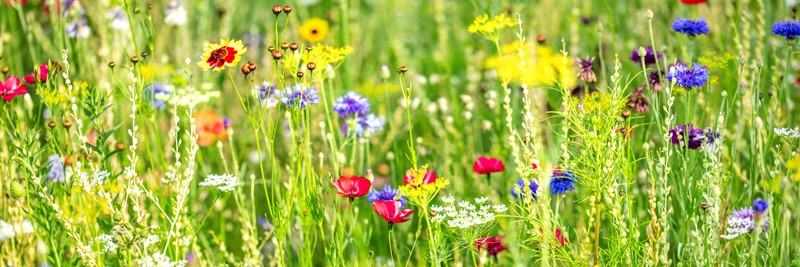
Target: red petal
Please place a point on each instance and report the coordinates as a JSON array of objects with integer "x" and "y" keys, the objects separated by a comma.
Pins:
[
  {"x": 12, "y": 82},
  {"x": 29, "y": 79}
]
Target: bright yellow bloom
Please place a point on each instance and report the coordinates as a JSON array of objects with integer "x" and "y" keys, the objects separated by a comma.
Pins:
[
  {"x": 322, "y": 55},
  {"x": 314, "y": 30},
  {"x": 490, "y": 28},
  {"x": 417, "y": 191},
  {"x": 216, "y": 56},
  {"x": 542, "y": 67},
  {"x": 794, "y": 165}
]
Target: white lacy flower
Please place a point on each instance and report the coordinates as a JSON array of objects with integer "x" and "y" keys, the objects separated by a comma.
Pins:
[
  {"x": 448, "y": 199},
  {"x": 107, "y": 241},
  {"x": 788, "y": 132},
  {"x": 160, "y": 260},
  {"x": 223, "y": 182},
  {"x": 150, "y": 240},
  {"x": 6, "y": 231}
]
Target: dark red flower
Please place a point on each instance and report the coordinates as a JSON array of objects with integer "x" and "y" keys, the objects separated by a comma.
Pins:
[
  {"x": 11, "y": 88},
  {"x": 352, "y": 186},
  {"x": 484, "y": 165},
  {"x": 493, "y": 244},
  {"x": 392, "y": 211},
  {"x": 534, "y": 166},
  {"x": 428, "y": 178},
  {"x": 44, "y": 72},
  {"x": 561, "y": 238},
  {"x": 694, "y": 2}
]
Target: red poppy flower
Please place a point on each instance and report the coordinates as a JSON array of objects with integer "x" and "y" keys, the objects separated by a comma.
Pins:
[
  {"x": 44, "y": 72},
  {"x": 493, "y": 244},
  {"x": 428, "y": 178},
  {"x": 484, "y": 165},
  {"x": 392, "y": 211},
  {"x": 561, "y": 238},
  {"x": 534, "y": 166},
  {"x": 352, "y": 186},
  {"x": 694, "y": 2},
  {"x": 11, "y": 88}
]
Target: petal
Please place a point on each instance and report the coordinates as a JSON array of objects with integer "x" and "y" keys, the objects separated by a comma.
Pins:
[
  {"x": 29, "y": 79},
  {"x": 11, "y": 82}
]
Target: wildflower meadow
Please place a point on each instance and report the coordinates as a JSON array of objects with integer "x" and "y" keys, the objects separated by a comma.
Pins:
[{"x": 399, "y": 133}]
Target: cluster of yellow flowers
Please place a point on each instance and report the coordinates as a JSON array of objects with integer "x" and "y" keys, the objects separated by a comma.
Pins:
[
  {"x": 714, "y": 62},
  {"x": 322, "y": 55},
  {"x": 543, "y": 66},
  {"x": 419, "y": 191},
  {"x": 794, "y": 166},
  {"x": 490, "y": 28}
]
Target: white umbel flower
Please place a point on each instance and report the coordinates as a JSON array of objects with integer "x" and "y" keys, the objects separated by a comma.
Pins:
[
  {"x": 788, "y": 132},
  {"x": 160, "y": 260},
  {"x": 223, "y": 182}
]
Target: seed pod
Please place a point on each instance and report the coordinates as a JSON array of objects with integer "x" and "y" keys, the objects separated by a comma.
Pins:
[
  {"x": 402, "y": 69},
  {"x": 541, "y": 38},
  {"x": 120, "y": 146},
  {"x": 309, "y": 48},
  {"x": 284, "y": 46},
  {"x": 626, "y": 113},
  {"x": 5, "y": 69},
  {"x": 51, "y": 124},
  {"x": 112, "y": 64},
  {"x": 311, "y": 65},
  {"x": 300, "y": 74},
  {"x": 704, "y": 206},
  {"x": 277, "y": 10},
  {"x": 287, "y": 9},
  {"x": 67, "y": 124},
  {"x": 135, "y": 59},
  {"x": 277, "y": 55},
  {"x": 144, "y": 54},
  {"x": 294, "y": 46},
  {"x": 252, "y": 66},
  {"x": 17, "y": 190},
  {"x": 270, "y": 48}
]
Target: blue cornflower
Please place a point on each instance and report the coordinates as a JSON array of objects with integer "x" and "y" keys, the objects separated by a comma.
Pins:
[
  {"x": 155, "y": 94},
  {"x": 267, "y": 92},
  {"x": 56, "y": 172},
  {"x": 299, "y": 95},
  {"x": 519, "y": 189},
  {"x": 369, "y": 124},
  {"x": 711, "y": 136},
  {"x": 562, "y": 182},
  {"x": 788, "y": 29},
  {"x": 78, "y": 29},
  {"x": 689, "y": 27},
  {"x": 351, "y": 103},
  {"x": 688, "y": 78},
  {"x": 760, "y": 205},
  {"x": 387, "y": 193}
]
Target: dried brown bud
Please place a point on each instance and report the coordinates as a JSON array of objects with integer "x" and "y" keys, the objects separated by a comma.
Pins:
[
  {"x": 704, "y": 206},
  {"x": 120, "y": 146},
  {"x": 284, "y": 46},
  {"x": 69, "y": 160},
  {"x": 541, "y": 38},
  {"x": 402, "y": 69},
  {"x": 67, "y": 124},
  {"x": 271, "y": 48},
  {"x": 309, "y": 48},
  {"x": 311, "y": 65},
  {"x": 510, "y": 10},
  {"x": 51, "y": 124},
  {"x": 293, "y": 46},
  {"x": 134, "y": 59},
  {"x": 626, "y": 113},
  {"x": 300, "y": 74},
  {"x": 277, "y": 10},
  {"x": 287, "y": 9},
  {"x": 144, "y": 54},
  {"x": 277, "y": 55},
  {"x": 252, "y": 66},
  {"x": 5, "y": 69},
  {"x": 112, "y": 64},
  {"x": 246, "y": 70}
]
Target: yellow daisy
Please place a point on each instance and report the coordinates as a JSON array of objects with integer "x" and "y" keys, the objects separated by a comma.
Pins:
[
  {"x": 225, "y": 53},
  {"x": 314, "y": 30}
]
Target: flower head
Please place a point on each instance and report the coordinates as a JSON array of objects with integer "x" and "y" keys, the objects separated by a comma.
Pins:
[
  {"x": 428, "y": 178},
  {"x": 760, "y": 205},
  {"x": 741, "y": 222},
  {"x": 519, "y": 190},
  {"x": 42, "y": 75},
  {"x": 490, "y": 28},
  {"x": 209, "y": 127},
  {"x": 688, "y": 78},
  {"x": 492, "y": 244},
  {"x": 387, "y": 193},
  {"x": 693, "y": 2},
  {"x": 654, "y": 80},
  {"x": 314, "y": 30},
  {"x": 789, "y": 29},
  {"x": 222, "y": 182},
  {"x": 650, "y": 57},
  {"x": 175, "y": 14},
  {"x": 689, "y": 27},
  {"x": 300, "y": 96},
  {"x": 364, "y": 125},
  {"x": 226, "y": 53},
  {"x": 351, "y": 103},
  {"x": 691, "y": 137},
  {"x": 56, "y": 172},
  {"x": 352, "y": 186},
  {"x": 638, "y": 102},
  {"x": 157, "y": 94},
  {"x": 11, "y": 88},
  {"x": 562, "y": 181},
  {"x": 392, "y": 211},
  {"x": 790, "y": 133},
  {"x": 78, "y": 29},
  {"x": 586, "y": 72},
  {"x": 118, "y": 19},
  {"x": 484, "y": 165}
]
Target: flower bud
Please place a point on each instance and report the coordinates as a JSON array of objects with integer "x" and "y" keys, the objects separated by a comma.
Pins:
[
  {"x": 287, "y": 9},
  {"x": 311, "y": 66},
  {"x": 134, "y": 59},
  {"x": 69, "y": 160},
  {"x": 252, "y": 66},
  {"x": 271, "y": 48},
  {"x": 120, "y": 146},
  {"x": 541, "y": 38},
  {"x": 385, "y": 72},
  {"x": 144, "y": 54},
  {"x": 277, "y": 10},
  {"x": 17, "y": 190},
  {"x": 704, "y": 206},
  {"x": 402, "y": 69},
  {"x": 66, "y": 124},
  {"x": 642, "y": 52},
  {"x": 277, "y": 55},
  {"x": 245, "y": 70},
  {"x": 626, "y": 113},
  {"x": 112, "y": 64},
  {"x": 284, "y": 46},
  {"x": 294, "y": 46},
  {"x": 5, "y": 69},
  {"x": 51, "y": 124},
  {"x": 309, "y": 48},
  {"x": 300, "y": 74},
  {"x": 649, "y": 14}
]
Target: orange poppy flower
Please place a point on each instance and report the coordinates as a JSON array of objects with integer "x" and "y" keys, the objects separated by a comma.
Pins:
[{"x": 209, "y": 127}]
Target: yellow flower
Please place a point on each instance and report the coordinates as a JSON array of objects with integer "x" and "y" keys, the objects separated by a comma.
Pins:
[
  {"x": 323, "y": 55},
  {"x": 794, "y": 165},
  {"x": 489, "y": 29},
  {"x": 216, "y": 56},
  {"x": 542, "y": 67},
  {"x": 314, "y": 30}
]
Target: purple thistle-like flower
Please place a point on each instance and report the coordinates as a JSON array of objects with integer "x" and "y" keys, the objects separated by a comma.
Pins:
[
  {"x": 350, "y": 104},
  {"x": 266, "y": 91},
  {"x": 155, "y": 94},
  {"x": 300, "y": 96},
  {"x": 586, "y": 72},
  {"x": 789, "y": 29},
  {"x": 654, "y": 79},
  {"x": 562, "y": 182},
  {"x": 689, "y": 27},
  {"x": 748, "y": 214},
  {"x": 760, "y": 205},
  {"x": 649, "y": 57},
  {"x": 692, "y": 137},
  {"x": 688, "y": 78},
  {"x": 519, "y": 190},
  {"x": 711, "y": 136},
  {"x": 387, "y": 193},
  {"x": 56, "y": 172},
  {"x": 638, "y": 102}
]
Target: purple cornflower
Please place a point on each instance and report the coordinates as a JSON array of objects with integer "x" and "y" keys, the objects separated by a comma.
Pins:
[
  {"x": 789, "y": 29},
  {"x": 686, "y": 133},
  {"x": 155, "y": 95},
  {"x": 711, "y": 136},
  {"x": 689, "y": 27},
  {"x": 268, "y": 92},
  {"x": 387, "y": 193},
  {"x": 519, "y": 190},
  {"x": 649, "y": 57},
  {"x": 300, "y": 96},
  {"x": 562, "y": 182},
  {"x": 363, "y": 125},
  {"x": 350, "y": 104},
  {"x": 688, "y": 78},
  {"x": 742, "y": 222},
  {"x": 760, "y": 205},
  {"x": 56, "y": 172},
  {"x": 638, "y": 102}
]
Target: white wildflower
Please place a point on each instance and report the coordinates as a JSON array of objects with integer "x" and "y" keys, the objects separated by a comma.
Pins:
[
  {"x": 160, "y": 260},
  {"x": 107, "y": 241},
  {"x": 788, "y": 132},
  {"x": 223, "y": 182}
]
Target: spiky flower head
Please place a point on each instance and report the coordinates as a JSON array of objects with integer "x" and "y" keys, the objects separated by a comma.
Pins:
[
  {"x": 689, "y": 27},
  {"x": 688, "y": 78},
  {"x": 351, "y": 104},
  {"x": 789, "y": 29}
]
